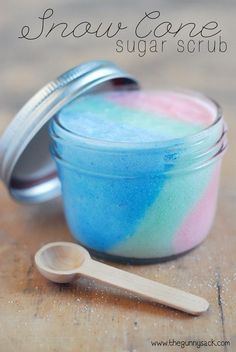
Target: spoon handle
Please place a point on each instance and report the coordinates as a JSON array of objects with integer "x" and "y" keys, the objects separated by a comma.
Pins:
[{"x": 148, "y": 289}]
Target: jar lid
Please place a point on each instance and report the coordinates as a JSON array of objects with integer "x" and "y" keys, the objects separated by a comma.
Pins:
[{"x": 26, "y": 166}]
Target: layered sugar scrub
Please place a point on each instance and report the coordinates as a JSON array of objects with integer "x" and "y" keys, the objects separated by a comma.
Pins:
[{"x": 139, "y": 170}]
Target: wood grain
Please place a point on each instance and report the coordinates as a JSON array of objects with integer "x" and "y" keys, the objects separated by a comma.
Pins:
[{"x": 36, "y": 315}]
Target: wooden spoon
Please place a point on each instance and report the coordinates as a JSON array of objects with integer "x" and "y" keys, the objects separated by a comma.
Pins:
[{"x": 62, "y": 261}]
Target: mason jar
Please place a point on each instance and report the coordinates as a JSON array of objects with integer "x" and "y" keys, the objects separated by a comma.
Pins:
[{"x": 140, "y": 201}]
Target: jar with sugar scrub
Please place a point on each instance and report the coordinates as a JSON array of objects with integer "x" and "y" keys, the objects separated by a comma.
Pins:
[{"x": 138, "y": 171}]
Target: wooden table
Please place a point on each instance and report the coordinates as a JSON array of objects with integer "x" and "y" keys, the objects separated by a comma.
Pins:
[{"x": 36, "y": 315}]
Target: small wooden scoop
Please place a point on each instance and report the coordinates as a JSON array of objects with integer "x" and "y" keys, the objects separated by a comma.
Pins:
[{"x": 63, "y": 261}]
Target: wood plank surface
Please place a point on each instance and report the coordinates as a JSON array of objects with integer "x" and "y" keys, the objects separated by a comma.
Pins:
[{"x": 36, "y": 315}]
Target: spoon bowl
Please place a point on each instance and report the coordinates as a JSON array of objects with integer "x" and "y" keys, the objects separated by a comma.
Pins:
[{"x": 59, "y": 262}]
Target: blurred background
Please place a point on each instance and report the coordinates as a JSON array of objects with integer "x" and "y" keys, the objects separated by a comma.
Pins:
[{"x": 27, "y": 65}]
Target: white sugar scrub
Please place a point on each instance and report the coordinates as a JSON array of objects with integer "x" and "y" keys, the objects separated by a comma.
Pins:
[
  {"x": 139, "y": 170},
  {"x": 137, "y": 116}
]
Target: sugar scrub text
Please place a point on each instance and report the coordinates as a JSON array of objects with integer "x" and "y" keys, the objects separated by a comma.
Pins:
[{"x": 151, "y": 34}]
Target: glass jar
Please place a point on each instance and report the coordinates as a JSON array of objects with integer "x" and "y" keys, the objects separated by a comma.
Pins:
[{"x": 140, "y": 202}]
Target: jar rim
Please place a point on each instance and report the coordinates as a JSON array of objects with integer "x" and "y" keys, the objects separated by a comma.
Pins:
[{"x": 191, "y": 138}]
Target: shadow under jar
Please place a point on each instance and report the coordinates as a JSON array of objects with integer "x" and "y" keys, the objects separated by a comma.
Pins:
[{"x": 139, "y": 171}]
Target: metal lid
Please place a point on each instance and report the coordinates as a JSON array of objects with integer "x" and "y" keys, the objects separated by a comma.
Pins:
[{"x": 26, "y": 166}]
